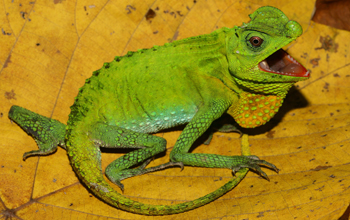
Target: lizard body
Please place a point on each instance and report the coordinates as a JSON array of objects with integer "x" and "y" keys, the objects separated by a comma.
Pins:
[{"x": 240, "y": 71}]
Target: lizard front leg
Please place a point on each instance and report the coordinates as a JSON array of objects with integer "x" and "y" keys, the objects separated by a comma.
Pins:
[{"x": 197, "y": 126}]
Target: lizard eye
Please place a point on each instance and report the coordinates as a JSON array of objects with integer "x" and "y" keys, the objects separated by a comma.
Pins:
[{"x": 256, "y": 41}]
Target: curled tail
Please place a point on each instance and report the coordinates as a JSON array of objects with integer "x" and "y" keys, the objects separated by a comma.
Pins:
[
  {"x": 86, "y": 163},
  {"x": 85, "y": 158},
  {"x": 112, "y": 197}
]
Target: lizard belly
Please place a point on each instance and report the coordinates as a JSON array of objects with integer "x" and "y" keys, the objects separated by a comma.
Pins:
[
  {"x": 148, "y": 118},
  {"x": 156, "y": 122}
]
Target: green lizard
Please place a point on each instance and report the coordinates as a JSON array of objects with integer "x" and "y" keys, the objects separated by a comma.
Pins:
[{"x": 241, "y": 71}]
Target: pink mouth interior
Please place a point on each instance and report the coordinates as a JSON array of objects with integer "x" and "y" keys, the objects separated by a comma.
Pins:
[{"x": 282, "y": 63}]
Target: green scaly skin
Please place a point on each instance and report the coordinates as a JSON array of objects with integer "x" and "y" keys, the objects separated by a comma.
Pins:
[{"x": 192, "y": 81}]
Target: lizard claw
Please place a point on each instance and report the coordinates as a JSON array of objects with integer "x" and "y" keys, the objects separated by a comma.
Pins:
[
  {"x": 180, "y": 164},
  {"x": 40, "y": 152},
  {"x": 169, "y": 164},
  {"x": 119, "y": 184},
  {"x": 253, "y": 163},
  {"x": 145, "y": 164}
]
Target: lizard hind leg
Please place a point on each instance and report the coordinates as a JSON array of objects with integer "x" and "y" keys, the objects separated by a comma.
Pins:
[
  {"x": 85, "y": 157},
  {"x": 47, "y": 132},
  {"x": 147, "y": 145}
]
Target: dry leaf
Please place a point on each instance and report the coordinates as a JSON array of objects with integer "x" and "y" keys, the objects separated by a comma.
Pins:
[
  {"x": 334, "y": 13},
  {"x": 48, "y": 49}
]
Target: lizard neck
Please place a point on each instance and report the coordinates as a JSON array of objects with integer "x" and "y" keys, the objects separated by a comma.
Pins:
[{"x": 277, "y": 88}]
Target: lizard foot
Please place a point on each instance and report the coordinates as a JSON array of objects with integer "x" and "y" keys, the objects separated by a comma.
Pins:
[
  {"x": 117, "y": 177},
  {"x": 253, "y": 162},
  {"x": 40, "y": 152},
  {"x": 47, "y": 132}
]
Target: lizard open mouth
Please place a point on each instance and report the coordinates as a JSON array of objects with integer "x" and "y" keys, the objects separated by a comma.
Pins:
[{"x": 282, "y": 63}]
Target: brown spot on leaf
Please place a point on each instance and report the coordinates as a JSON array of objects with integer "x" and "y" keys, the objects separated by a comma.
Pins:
[
  {"x": 270, "y": 134},
  {"x": 150, "y": 14},
  {"x": 314, "y": 62},
  {"x": 129, "y": 8},
  {"x": 4, "y": 32},
  {"x": 318, "y": 168},
  {"x": 261, "y": 214},
  {"x": 23, "y": 14},
  {"x": 336, "y": 75},
  {"x": 328, "y": 44},
  {"x": 57, "y": 1},
  {"x": 173, "y": 13},
  {"x": 8, "y": 60},
  {"x": 326, "y": 86},
  {"x": 304, "y": 55},
  {"x": 10, "y": 95},
  {"x": 179, "y": 13}
]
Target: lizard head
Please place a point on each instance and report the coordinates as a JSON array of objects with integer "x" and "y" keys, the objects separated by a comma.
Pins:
[{"x": 255, "y": 55}]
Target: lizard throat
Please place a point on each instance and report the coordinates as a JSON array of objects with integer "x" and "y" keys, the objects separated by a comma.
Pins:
[
  {"x": 282, "y": 63},
  {"x": 254, "y": 110}
]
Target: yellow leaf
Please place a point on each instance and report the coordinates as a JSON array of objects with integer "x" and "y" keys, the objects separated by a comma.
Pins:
[{"x": 49, "y": 48}]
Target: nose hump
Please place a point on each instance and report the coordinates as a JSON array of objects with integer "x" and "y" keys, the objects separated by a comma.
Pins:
[{"x": 293, "y": 29}]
